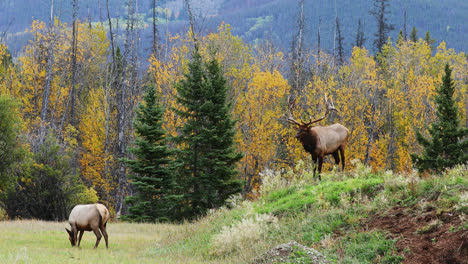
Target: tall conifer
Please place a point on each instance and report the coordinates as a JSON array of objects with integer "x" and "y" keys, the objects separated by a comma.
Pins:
[
  {"x": 207, "y": 157},
  {"x": 414, "y": 35},
  {"x": 448, "y": 145},
  {"x": 156, "y": 197},
  {"x": 381, "y": 9},
  {"x": 430, "y": 41}
]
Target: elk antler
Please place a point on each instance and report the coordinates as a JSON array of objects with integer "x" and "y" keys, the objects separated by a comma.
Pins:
[
  {"x": 330, "y": 107},
  {"x": 290, "y": 118}
]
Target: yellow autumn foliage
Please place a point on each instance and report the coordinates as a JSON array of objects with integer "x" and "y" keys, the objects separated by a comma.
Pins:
[{"x": 382, "y": 100}]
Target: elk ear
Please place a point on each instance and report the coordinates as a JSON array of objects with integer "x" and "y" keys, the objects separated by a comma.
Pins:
[{"x": 69, "y": 232}]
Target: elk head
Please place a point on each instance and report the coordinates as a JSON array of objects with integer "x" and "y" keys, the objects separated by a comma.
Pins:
[{"x": 302, "y": 126}]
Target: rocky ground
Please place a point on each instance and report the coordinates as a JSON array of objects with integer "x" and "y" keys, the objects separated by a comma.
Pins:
[{"x": 291, "y": 252}]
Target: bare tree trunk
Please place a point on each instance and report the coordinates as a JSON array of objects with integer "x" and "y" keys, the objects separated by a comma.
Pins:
[
  {"x": 166, "y": 46},
  {"x": 334, "y": 33},
  {"x": 404, "y": 25},
  {"x": 89, "y": 14},
  {"x": 297, "y": 74},
  {"x": 390, "y": 159},
  {"x": 48, "y": 82},
  {"x": 4, "y": 32},
  {"x": 51, "y": 11},
  {"x": 318, "y": 41},
  {"x": 73, "y": 59},
  {"x": 71, "y": 98},
  {"x": 111, "y": 34},
  {"x": 371, "y": 130},
  {"x": 155, "y": 46},
  {"x": 100, "y": 11},
  {"x": 130, "y": 77},
  {"x": 301, "y": 30},
  {"x": 49, "y": 66},
  {"x": 360, "y": 35},
  {"x": 192, "y": 23}
]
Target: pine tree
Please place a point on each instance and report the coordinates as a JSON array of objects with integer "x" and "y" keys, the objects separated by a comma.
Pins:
[
  {"x": 448, "y": 145},
  {"x": 340, "y": 50},
  {"x": 207, "y": 157},
  {"x": 10, "y": 150},
  {"x": 153, "y": 178},
  {"x": 414, "y": 35},
  {"x": 383, "y": 27},
  {"x": 400, "y": 38},
  {"x": 430, "y": 41}
]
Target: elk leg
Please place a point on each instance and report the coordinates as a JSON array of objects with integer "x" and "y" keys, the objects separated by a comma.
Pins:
[
  {"x": 104, "y": 233},
  {"x": 98, "y": 236},
  {"x": 75, "y": 233},
  {"x": 342, "y": 157},
  {"x": 79, "y": 239},
  {"x": 314, "y": 162},
  {"x": 320, "y": 162},
  {"x": 336, "y": 156}
]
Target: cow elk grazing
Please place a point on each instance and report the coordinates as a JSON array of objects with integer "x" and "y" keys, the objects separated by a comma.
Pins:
[
  {"x": 88, "y": 217},
  {"x": 320, "y": 141}
]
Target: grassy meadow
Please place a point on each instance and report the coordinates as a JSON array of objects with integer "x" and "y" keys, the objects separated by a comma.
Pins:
[
  {"x": 32, "y": 241},
  {"x": 339, "y": 217}
]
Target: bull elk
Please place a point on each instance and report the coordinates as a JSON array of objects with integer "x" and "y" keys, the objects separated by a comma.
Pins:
[
  {"x": 320, "y": 141},
  {"x": 88, "y": 217}
]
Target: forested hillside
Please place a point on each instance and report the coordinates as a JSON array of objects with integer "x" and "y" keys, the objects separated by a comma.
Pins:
[{"x": 254, "y": 20}]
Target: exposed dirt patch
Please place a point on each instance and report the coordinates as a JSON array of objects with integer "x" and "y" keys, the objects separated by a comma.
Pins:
[{"x": 427, "y": 237}]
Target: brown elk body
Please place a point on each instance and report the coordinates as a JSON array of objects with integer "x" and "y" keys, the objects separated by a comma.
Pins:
[
  {"x": 88, "y": 217},
  {"x": 320, "y": 141}
]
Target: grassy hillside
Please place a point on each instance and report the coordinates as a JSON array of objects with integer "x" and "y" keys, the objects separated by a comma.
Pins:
[{"x": 357, "y": 217}]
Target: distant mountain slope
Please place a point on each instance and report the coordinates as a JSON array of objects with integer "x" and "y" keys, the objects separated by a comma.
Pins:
[
  {"x": 445, "y": 20},
  {"x": 255, "y": 20}
]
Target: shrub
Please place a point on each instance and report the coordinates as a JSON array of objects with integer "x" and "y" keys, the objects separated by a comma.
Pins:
[
  {"x": 243, "y": 234},
  {"x": 86, "y": 195},
  {"x": 272, "y": 181},
  {"x": 47, "y": 188}
]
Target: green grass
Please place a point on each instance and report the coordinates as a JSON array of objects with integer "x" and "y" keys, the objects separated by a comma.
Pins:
[
  {"x": 329, "y": 193},
  {"x": 364, "y": 248},
  {"x": 325, "y": 215},
  {"x": 47, "y": 242},
  {"x": 33, "y": 241}
]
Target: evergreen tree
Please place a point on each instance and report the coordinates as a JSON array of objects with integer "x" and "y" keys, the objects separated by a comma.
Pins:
[
  {"x": 448, "y": 145},
  {"x": 430, "y": 41},
  {"x": 207, "y": 155},
  {"x": 414, "y": 35},
  {"x": 10, "y": 149},
  {"x": 340, "y": 50},
  {"x": 156, "y": 197},
  {"x": 400, "y": 38},
  {"x": 383, "y": 27}
]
